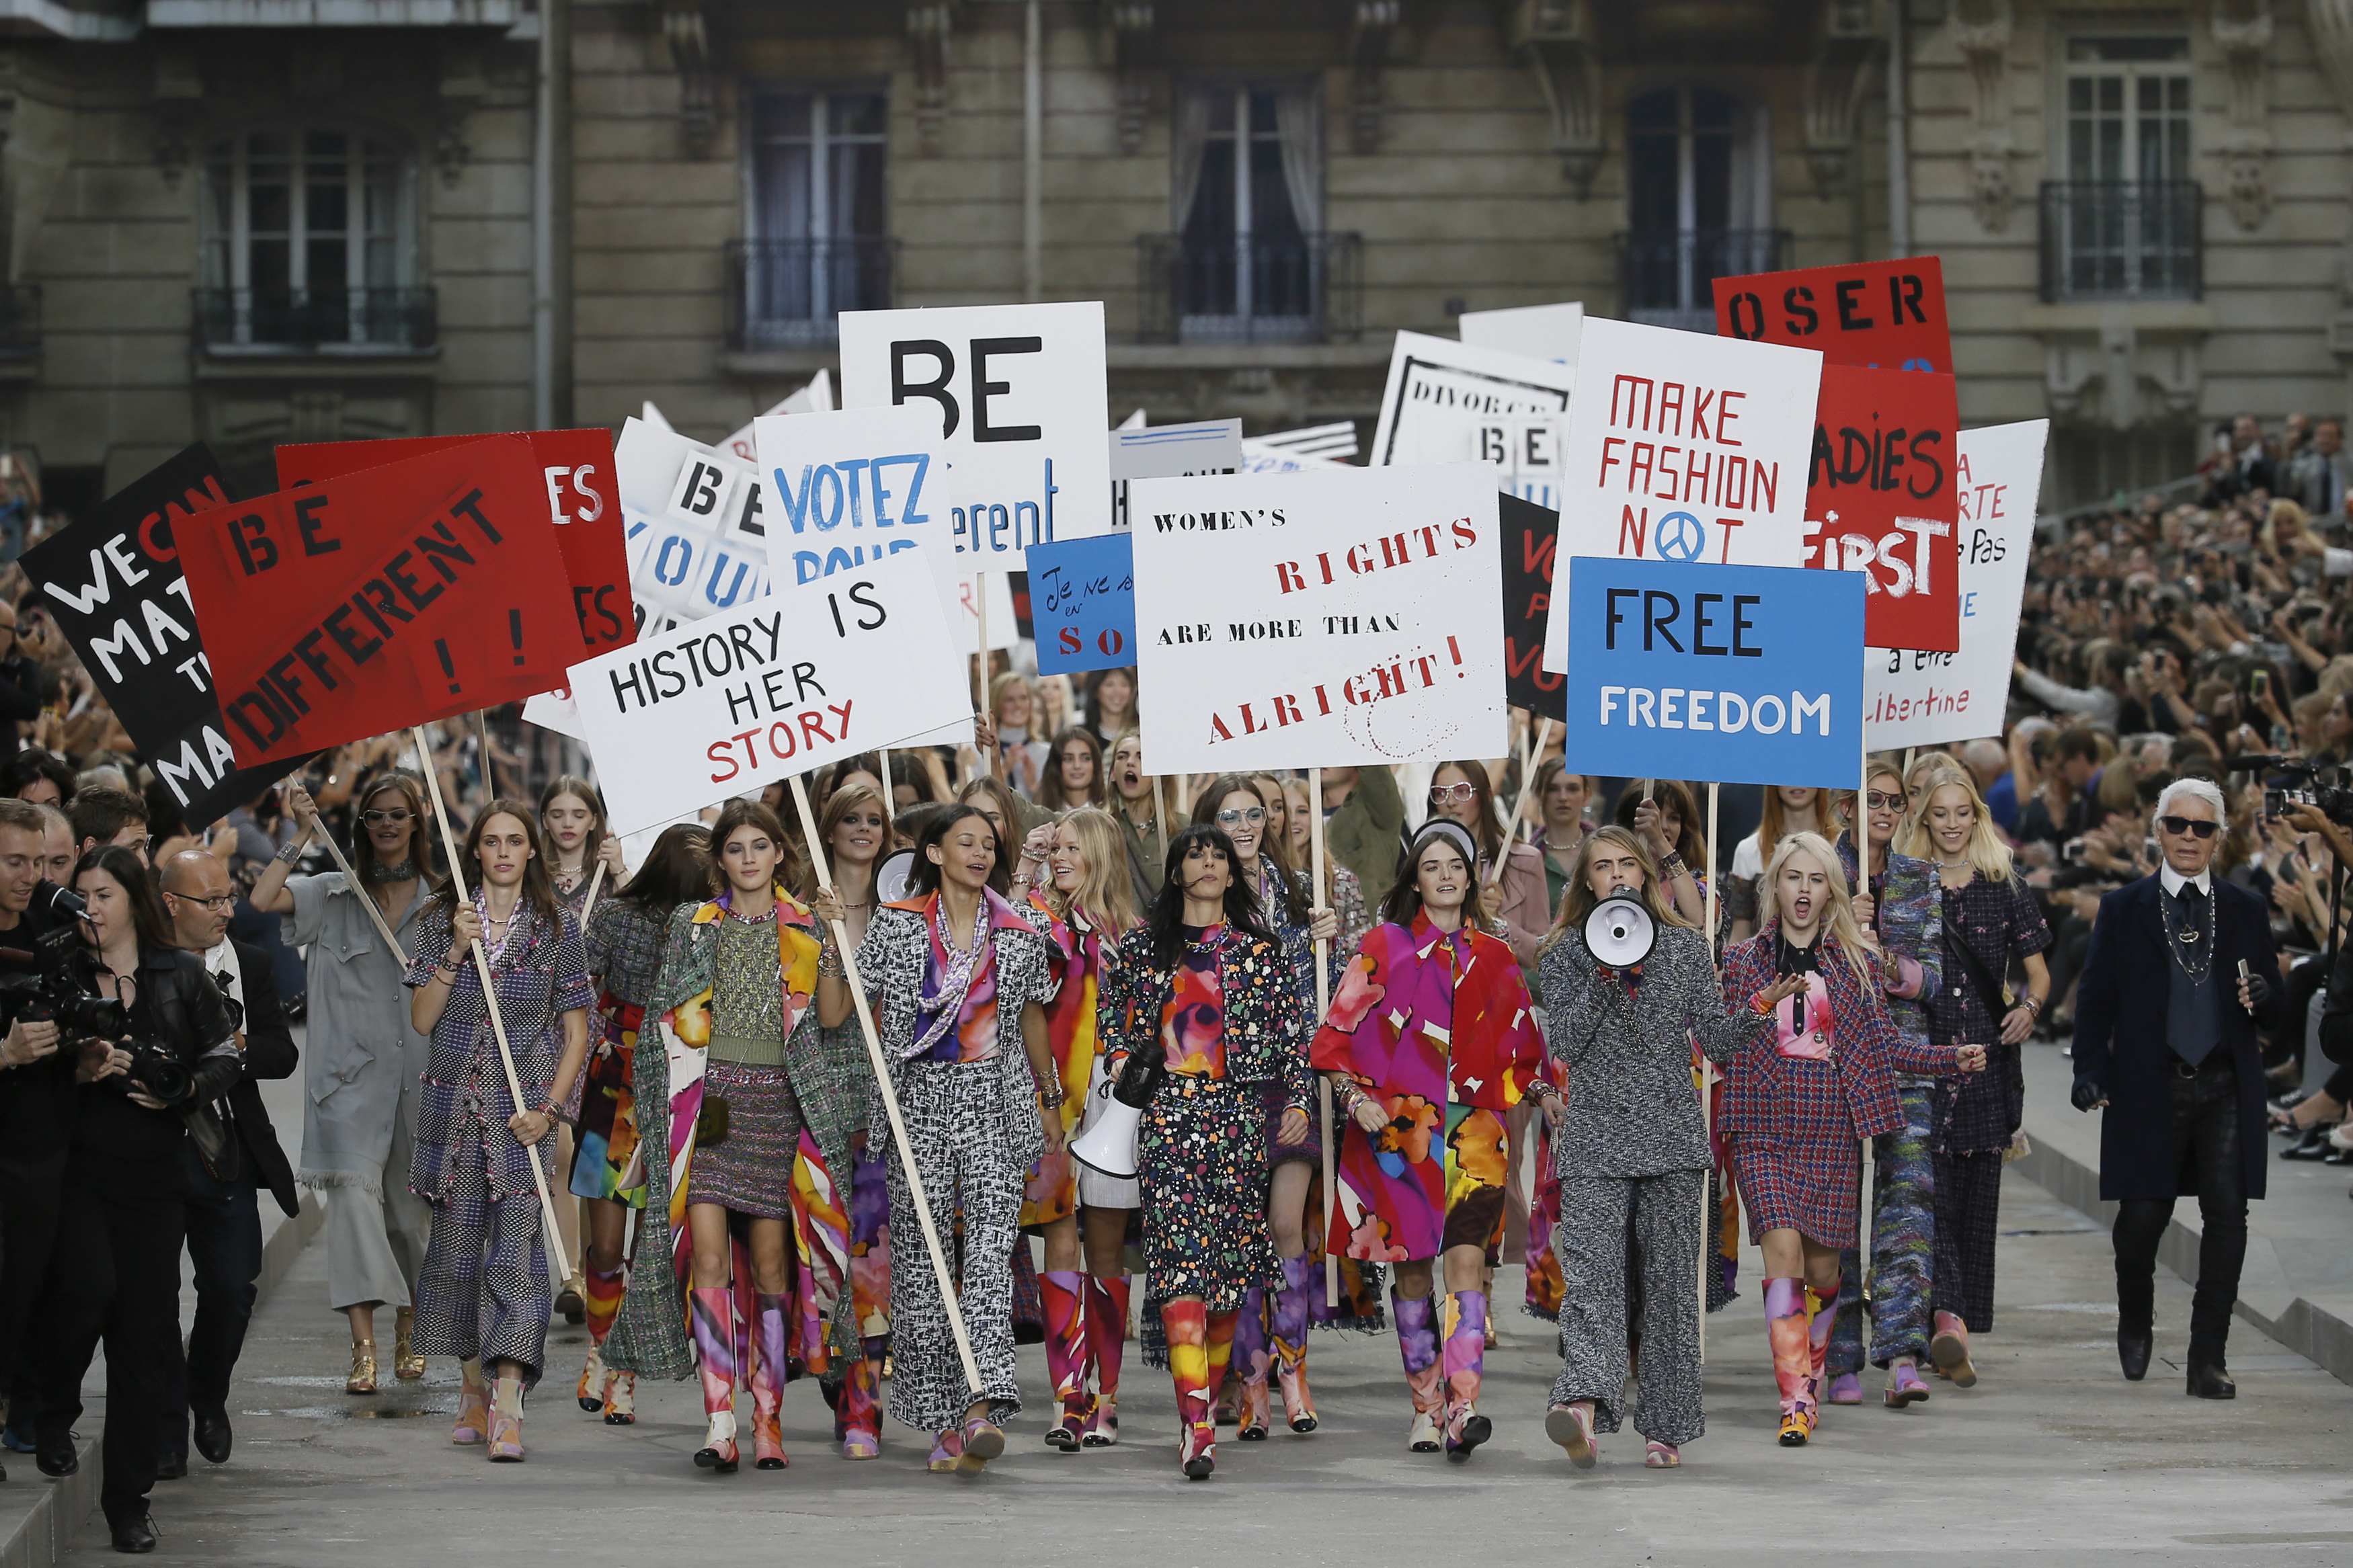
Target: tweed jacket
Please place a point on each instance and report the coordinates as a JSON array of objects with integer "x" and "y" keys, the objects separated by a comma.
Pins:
[
  {"x": 1265, "y": 1028},
  {"x": 1910, "y": 920}
]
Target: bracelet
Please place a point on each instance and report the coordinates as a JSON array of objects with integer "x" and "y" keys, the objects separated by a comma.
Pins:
[
  {"x": 2031, "y": 1002},
  {"x": 1052, "y": 1101},
  {"x": 289, "y": 851},
  {"x": 1671, "y": 864}
]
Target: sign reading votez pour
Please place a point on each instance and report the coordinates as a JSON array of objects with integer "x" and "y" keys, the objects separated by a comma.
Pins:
[
  {"x": 770, "y": 689},
  {"x": 1932, "y": 699},
  {"x": 1734, "y": 674},
  {"x": 1019, "y": 397},
  {"x": 1890, "y": 314},
  {"x": 1880, "y": 500},
  {"x": 1320, "y": 618}
]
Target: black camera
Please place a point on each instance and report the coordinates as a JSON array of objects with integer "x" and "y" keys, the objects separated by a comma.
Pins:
[
  {"x": 2292, "y": 781},
  {"x": 62, "y": 988}
]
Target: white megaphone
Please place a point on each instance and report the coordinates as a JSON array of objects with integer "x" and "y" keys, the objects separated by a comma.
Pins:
[
  {"x": 1619, "y": 932},
  {"x": 894, "y": 876},
  {"x": 1117, "y": 1119}
]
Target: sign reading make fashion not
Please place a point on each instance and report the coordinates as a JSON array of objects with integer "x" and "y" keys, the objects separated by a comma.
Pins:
[
  {"x": 382, "y": 599},
  {"x": 771, "y": 690}
]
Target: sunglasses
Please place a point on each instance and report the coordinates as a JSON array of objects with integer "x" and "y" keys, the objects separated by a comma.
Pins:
[
  {"x": 1453, "y": 795},
  {"x": 2192, "y": 825},
  {"x": 1253, "y": 815},
  {"x": 1881, "y": 800},
  {"x": 373, "y": 817}
]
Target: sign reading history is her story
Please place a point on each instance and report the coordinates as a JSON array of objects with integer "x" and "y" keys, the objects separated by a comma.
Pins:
[{"x": 1351, "y": 616}]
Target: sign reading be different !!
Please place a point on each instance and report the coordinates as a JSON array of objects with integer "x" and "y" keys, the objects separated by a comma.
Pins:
[{"x": 780, "y": 686}]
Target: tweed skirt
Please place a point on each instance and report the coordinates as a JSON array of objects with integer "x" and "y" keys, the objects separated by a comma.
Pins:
[{"x": 751, "y": 1170}]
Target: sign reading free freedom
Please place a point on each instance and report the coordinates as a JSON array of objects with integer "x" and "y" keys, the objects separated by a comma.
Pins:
[{"x": 1736, "y": 674}]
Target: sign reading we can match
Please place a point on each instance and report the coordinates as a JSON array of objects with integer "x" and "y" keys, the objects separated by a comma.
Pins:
[
  {"x": 1736, "y": 674},
  {"x": 1353, "y": 616}
]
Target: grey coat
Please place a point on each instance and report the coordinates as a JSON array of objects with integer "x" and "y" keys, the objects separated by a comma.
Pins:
[{"x": 362, "y": 1049}]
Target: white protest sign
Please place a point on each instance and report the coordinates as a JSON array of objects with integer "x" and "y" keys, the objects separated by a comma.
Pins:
[
  {"x": 1019, "y": 395},
  {"x": 1167, "y": 452},
  {"x": 1683, "y": 448},
  {"x": 1539, "y": 331},
  {"x": 653, "y": 415},
  {"x": 697, "y": 542},
  {"x": 1438, "y": 391},
  {"x": 1524, "y": 452},
  {"x": 1260, "y": 458},
  {"x": 1913, "y": 698},
  {"x": 1347, "y": 615},
  {"x": 785, "y": 686},
  {"x": 1135, "y": 421},
  {"x": 816, "y": 397}
]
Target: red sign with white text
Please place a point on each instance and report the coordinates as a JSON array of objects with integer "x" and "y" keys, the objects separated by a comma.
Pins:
[
  {"x": 1890, "y": 314},
  {"x": 382, "y": 599},
  {"x": 1882, "y": 498},
  {"x": 584, "y": 502}
]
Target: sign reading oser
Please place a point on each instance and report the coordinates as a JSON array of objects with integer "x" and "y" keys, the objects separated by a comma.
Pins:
[{"x": 780, "y": 686}]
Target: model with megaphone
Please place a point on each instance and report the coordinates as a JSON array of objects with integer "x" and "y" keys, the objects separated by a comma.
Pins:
[
  {"x": 1429, "y": 1043},
  {"x": 1205, "y": 986}
]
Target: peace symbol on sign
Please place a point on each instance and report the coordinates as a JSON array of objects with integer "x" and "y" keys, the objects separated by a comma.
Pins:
[{"x": 1682, "y": 536}]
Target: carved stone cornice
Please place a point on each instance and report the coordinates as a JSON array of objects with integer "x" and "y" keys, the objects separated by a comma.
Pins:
[
  {"x": 929, "y": 25},
  {"x": 1557, "y": 39},
  {"x": 1372, "y": 24},
  {"x": 684, "y": 28},
  {"x": 1838, "y": 75},
  {"x": 2242, "y": 31},
  {"x": 1131, "y": 27},
  {"x": 179, "y": 101},
  {"x": 1981, "y": 32}
]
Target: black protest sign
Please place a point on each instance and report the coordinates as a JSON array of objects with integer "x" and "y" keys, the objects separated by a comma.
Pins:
[
  {"x": 113, "y": 583},
  {"x": 1530, "y": 535}
]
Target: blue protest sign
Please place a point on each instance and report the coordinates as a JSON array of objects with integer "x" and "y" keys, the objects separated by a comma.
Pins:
[
  {"x": 1082, "y": 597},
  {"x": 1733, "y": 673}
]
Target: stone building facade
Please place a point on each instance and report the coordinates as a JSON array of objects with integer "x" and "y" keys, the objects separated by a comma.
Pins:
[{"x": 262, "y": 220}]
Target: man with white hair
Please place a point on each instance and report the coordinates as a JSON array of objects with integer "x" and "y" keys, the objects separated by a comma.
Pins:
[{"x": 2177, "y": 1070}]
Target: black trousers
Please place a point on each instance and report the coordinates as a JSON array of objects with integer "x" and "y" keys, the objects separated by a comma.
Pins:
[
  {"x": 2203, "y": 1138},
  {"x": 224, "y": 1236},
  {"x": 116, "y": 1279},
  {"x": 31, "y": 1192}
]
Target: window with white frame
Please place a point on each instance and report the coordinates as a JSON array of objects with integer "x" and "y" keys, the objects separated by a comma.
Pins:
[
  {"x": 309, "y": 240},
  {"x": 818, "y": 223},
  {"x": 1697, "y": 182},
  {"x": 2123, "y": 220},
  {"x": 1248, "y": 203}
]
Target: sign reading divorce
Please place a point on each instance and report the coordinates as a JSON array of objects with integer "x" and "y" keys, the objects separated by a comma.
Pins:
[
  {"x": 1682, "y": 449},
  {"x": 1441, "y": 392},
  {"x": 1930, "y": 698},
  {"x": 1890, "y": 314},
  {"x": 581, "y": 503},
  {"x": 113, "y": 583},
  {"x": 1018, "y": 399},
  {"x": 382, "y": 599},
  {"x": 1320, "y": 618},
  {"x": 1734, "y": 674},
  {"x": 1530, "y": 533},
  {"x": 1880, "y": 500},
  {"x": 770, "y": 689},
  {"x": 1082, "y": 600}
]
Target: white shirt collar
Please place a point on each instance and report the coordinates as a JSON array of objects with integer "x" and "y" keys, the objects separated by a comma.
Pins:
[{"x": 2171, "y": 881}]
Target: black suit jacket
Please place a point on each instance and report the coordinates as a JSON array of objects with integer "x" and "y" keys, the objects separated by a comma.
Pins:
[
  {"x": 2120, "y": 1007},
  {"x": 270, "y": 1052}
]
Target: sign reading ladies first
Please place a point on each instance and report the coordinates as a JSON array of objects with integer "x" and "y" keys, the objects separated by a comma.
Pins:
[
  {"x": 1019, "y": 395},
  {"x": 1320, "y": 618}
]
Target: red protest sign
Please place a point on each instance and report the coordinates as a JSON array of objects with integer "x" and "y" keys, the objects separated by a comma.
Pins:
[
  {"x": 1883, "y": 498},
  {"x": 381, "y": 599},
  {"x": 584, "y": 502},
  {"x": 1890, "y": 314}
]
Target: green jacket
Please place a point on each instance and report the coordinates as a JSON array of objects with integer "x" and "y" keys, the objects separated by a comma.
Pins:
[{"x": 1363, "y": 833}]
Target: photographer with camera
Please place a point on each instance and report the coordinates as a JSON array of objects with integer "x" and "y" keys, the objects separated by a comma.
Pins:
[
  {"x": 157, "y": 1049},
  {"x": 224, "y": 1212}
]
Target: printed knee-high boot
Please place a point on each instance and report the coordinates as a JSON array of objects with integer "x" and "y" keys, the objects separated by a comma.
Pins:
[
  {"x": 1186, "y": 1324},
  {"x": 1821, "y": 1318},
  {"x": 1250, "y": 1362},
  {"x": 1106, "y": 1342},
  {"x": 771, "y": 1324},
  {"x": 713, "y": 1310},
  {"x": 1293, "y": 1306},
  {"x": 1416, "y": 1333},
  {"x": 1465, "y": 1355},
  {"x": 1785, "y": 1322},
  {"x": 858, "y": 1418},
  {"x": 1064, "y": 1292},
  {"x": 604, "y": 1300}
]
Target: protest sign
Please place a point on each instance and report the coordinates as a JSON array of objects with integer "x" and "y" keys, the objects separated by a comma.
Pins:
[
  {"x": 1019, "y": 393},
  {"x": 1538, "y": 331},
  {"x": 1732, "y": 674},
  {"x": 1930, "y": 698},
  {"x": 583, "y": 502},
  {"x": 1890, "y": 314},
  {"x": 770, "y": 689},
  {"x": 381, "y": 599},
  {"x": 1524, "y": 452},
  {"x": 1438, "y": 391},
  {"x": 1685, "y": 448},
  {"x": 816, "y": 397},
  {"x": 1083, "y": 594},
  {"x": 1320, "y": 618},
  {"x": 1529, "y": 532},
  {"x": 1213, "y": 447},
  {"x": 113, "y": 585},
  {"x": 1880, "y": 500}
]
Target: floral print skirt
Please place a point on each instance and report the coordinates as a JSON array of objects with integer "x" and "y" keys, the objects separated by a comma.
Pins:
[
  {"x": 1430, "y": 1180},
  {"x": 1203, "y": 1158}
]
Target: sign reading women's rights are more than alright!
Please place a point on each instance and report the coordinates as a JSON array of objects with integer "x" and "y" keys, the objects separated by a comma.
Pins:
[{"x": 1353, "y": 616}]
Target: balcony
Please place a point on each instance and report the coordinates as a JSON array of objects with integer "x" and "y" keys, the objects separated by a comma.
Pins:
[
  {"x": 1666, "y": 278},
  {"x": 315, "y": 321},
  {"x": 1300, "y": 288},
  {"x": 2122, "y": 240},
  {"x": 20, "y": 322},
  {"x": 781, "y": 293}
]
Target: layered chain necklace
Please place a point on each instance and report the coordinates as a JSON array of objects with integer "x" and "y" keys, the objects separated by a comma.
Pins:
[{"x": 2192, "y": 947}]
